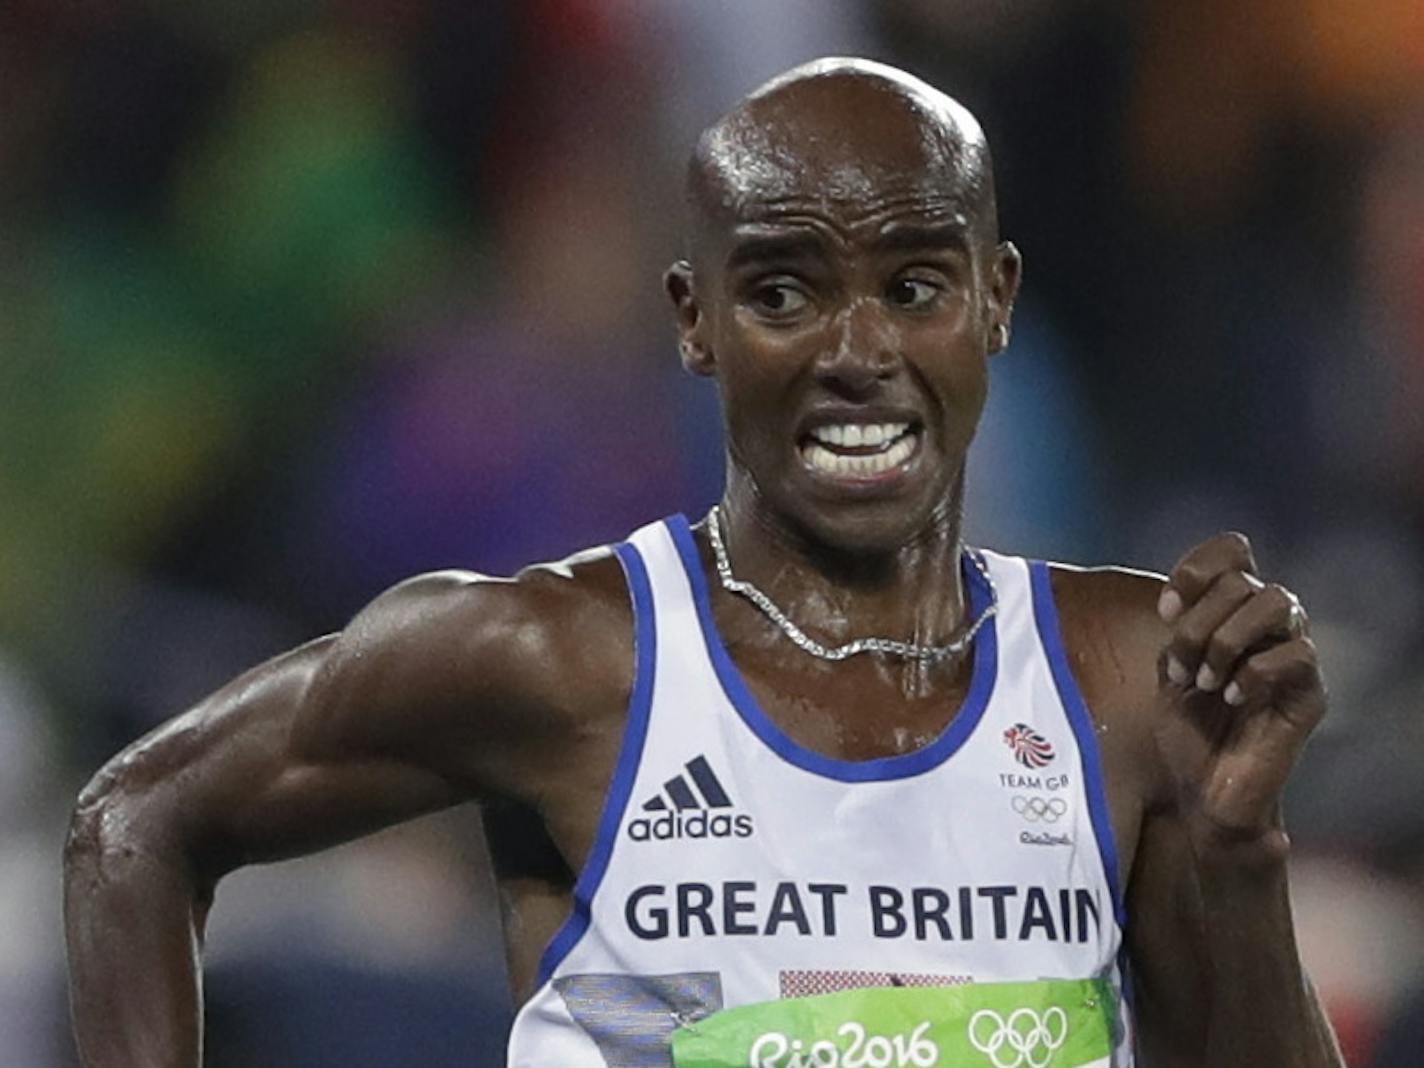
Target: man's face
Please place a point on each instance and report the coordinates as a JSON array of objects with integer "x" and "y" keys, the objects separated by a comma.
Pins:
[{"x": 846, "y": 303}]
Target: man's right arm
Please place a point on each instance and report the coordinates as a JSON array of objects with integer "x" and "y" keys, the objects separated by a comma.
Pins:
[{"x": 440, "y": 691}]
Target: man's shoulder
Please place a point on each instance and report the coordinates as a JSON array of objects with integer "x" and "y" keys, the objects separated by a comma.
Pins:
[
  {"x": 486, "y": 679},
  {"x": 1108, "y": 617},
  {"x": 534, "y": 639}
]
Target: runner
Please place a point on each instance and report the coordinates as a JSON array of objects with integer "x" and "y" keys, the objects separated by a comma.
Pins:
[{"x": 810, "y": 783}]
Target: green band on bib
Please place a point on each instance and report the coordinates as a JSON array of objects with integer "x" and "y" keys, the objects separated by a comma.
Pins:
[{"x": 1046, "y": 1024}]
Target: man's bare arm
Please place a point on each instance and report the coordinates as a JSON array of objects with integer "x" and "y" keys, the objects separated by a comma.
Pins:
[
  {"x": 1212, "y": 939},
  {"x": 1216, "y": 968},
  {"x": 438, "y": 692}
]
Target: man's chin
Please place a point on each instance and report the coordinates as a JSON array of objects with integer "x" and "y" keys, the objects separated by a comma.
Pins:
[
  {"x": 869, "y": 527},
  {"x": 856, "y": 516}
]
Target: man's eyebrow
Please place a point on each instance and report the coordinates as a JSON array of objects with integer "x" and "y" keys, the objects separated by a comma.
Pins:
[
  {"x": 918, "y": 237},
  {"x": 782, "y": 245}
]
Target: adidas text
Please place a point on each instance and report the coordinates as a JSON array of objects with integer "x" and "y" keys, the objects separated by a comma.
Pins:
[{"x": 696, "y": 824}]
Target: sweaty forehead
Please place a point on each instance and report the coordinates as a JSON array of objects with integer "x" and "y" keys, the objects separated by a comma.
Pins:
[{"x": 852, "y": 140}]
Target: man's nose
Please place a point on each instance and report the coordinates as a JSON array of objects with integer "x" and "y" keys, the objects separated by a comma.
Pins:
[{"x": 861, "y": 350}]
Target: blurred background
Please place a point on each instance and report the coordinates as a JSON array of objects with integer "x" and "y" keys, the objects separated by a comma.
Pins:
[{"x": 299, "y": 298}]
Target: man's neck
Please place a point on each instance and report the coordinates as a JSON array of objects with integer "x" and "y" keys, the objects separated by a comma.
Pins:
[{"x": 913, "y": 592}]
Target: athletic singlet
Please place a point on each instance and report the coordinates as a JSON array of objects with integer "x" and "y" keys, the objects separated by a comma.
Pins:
[{"x": 750, "y": 902}]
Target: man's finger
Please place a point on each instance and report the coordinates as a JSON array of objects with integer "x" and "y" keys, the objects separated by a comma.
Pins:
[
  {"x": 1195, "y": 626},
  {"x": 1269, "y": 617},
  {"x": 1198, "y": 569},
  {"x": 1267, "y": 677}
]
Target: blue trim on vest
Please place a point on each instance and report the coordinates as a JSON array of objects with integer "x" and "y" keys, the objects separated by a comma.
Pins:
[
  {"x": 901, "y": 766},
  {"x": 630, "y": 754},
  {"x": 1045, "y": 615}
]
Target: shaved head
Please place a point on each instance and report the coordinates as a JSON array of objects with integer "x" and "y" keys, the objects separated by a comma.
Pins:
[{"x": 841, "y": 132}]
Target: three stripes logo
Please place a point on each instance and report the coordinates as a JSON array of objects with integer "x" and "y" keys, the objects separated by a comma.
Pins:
[{"x": 692, "y": 804}]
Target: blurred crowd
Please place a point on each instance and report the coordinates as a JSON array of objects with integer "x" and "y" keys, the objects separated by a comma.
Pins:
[{"x": 299, "y": 298}]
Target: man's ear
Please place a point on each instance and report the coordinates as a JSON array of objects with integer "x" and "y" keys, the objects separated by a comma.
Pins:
[
  {"x": 1003, "y": 290},
  {"x": 691, "y": 325}
]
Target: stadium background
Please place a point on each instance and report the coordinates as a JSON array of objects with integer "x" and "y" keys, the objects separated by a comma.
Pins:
[{"x": 298, "y": 298}]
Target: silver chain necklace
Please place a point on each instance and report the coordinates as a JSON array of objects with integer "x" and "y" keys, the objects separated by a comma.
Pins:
[{"x": 884, "y": 646}]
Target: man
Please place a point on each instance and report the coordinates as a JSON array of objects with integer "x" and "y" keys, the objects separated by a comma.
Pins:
[{"x": 838, "y": 790}]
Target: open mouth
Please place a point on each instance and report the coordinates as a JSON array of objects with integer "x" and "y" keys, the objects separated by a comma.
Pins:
[{"x": 859, "y": 450}]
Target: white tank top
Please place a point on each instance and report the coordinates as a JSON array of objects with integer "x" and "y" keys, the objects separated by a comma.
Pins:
[{"x": 751, "y": 902}]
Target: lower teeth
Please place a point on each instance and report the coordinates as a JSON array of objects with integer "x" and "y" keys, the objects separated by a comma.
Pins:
[{"x": 823, "y": 459}]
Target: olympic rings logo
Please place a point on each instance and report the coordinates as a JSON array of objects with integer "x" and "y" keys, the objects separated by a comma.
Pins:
[
  {"x": 1024, "y": 1039},
  {"x": 1033, "y": 809}
]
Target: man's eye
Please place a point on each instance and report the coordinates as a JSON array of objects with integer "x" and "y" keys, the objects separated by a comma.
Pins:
[
  {"x": 911, "y": 292},
  {"x": 779, "y": 300}
]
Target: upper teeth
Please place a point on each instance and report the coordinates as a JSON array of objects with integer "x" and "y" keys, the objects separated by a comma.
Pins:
[{"x": 853, "y": 434}]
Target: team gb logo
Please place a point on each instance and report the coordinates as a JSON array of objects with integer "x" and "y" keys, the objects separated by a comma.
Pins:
[{"x": 1031, "y": 749}]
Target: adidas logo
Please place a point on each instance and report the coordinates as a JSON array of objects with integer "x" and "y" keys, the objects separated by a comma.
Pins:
[{"x": 680, "y": 811}]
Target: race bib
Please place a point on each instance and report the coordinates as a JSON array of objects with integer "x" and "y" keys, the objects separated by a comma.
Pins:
[{"x": 1047, "y": 1024}]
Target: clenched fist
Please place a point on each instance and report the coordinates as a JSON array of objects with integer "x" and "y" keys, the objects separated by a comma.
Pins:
[{"x": 1240, "y": 689}]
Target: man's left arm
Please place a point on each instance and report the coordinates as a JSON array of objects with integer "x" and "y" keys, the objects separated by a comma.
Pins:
[{"x": 1211, "y": 937}]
